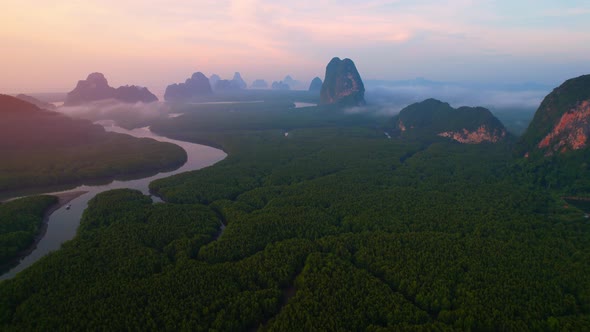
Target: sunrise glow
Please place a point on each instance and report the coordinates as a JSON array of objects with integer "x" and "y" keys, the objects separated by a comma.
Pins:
[{"x": 48, "y": 46}]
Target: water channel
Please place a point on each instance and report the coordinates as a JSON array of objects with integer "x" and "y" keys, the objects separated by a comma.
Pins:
[{"x": 63, "y": 223}]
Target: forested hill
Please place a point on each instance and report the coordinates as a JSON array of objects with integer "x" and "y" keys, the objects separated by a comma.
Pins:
[
  {"x": 554, "y": 149},
  {"x": 561, "y": 122},
  {"x": 332, "y": 227},
  {"x": 40, "y": 148},
  {"x": 10, "y": 105},
  {"x": 20, "y": 222},
  {"x": 432, "y": 117},
  {"x": 25, "y": 126}
]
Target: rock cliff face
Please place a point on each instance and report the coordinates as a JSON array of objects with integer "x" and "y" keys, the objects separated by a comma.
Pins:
[
  {"x": 343, "y": 84},
  {"x": 468, "y": 125},
  {"x": 96, "y": 87},
  {"x": 571, "y": 132},
  {"x": 480, "y": 135},
  {"x": 562, "y": 122},
  {"x": 315, "y": 85},
  {"x": 197, "y": 85}
]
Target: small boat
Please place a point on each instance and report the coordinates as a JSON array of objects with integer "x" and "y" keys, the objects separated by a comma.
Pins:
[{"x": 68, "y": 206}]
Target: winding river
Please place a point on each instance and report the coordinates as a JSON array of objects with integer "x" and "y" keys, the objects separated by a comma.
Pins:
[{"x": 63, "y": 223}]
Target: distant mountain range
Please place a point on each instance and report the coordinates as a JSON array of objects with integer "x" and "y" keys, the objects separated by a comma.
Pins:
[{"x": 400, "y": 93}]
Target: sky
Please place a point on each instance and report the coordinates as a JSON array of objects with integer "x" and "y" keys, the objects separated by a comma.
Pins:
[{"x": 47, "y": 46}]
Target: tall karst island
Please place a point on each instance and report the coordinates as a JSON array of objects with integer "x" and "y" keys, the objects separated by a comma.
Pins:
[{"x": 342, "y": 84}]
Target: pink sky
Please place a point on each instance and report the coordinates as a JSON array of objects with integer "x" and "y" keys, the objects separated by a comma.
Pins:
[{"x": 49, "y": 46}]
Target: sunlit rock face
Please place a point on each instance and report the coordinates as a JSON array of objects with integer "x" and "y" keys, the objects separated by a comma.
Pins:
[
  {"x": 481, "y": 135},
  {"x": 561, "y": 124},
  {"x": 570, "y": 133},
  {"x": 195, "y": 86},
  {"x": 342, "y": 84},
  {"x": 467, "y": 125},
  {"x": 96, "y": 87},
  {"x": 401, "y": 126}
]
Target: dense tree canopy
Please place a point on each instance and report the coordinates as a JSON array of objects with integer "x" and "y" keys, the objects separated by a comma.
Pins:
[
  {"x": 20, "y": 222},
  {"x": 333, "y": 227}
]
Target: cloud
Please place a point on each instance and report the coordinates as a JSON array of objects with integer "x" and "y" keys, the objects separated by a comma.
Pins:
[{"x": 159, "y": 42}]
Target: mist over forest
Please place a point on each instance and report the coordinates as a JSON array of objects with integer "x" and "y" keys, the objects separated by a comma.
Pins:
[
  {"x": 395, "y": 95},
  {"x": 273, "y": 165}
]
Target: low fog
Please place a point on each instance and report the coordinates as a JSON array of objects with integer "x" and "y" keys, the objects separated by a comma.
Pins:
[
  {"x": 393, "y": 96},
  {"x": 513, "y": 104},
  {"x": 127, "y": 115}
]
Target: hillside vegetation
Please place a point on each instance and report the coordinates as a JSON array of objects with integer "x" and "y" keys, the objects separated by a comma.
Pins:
[
  {"x": 40, "y": 148},
  {"x": 20, "y": 222},
  {"x": 333, "y": 227}
]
